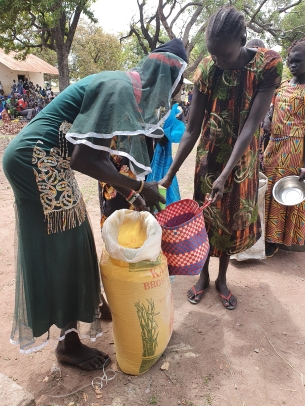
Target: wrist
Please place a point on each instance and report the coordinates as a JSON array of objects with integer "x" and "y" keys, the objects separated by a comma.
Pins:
[
  {"x": 222, "y": 177},
  {"x": 171, "y": 174},
  {"x": 139, "y": 190},
  {"x": 132, "y": 197}
]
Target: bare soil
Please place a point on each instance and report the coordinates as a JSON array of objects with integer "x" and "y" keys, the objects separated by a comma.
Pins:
[{"x": 252, "y": 356}]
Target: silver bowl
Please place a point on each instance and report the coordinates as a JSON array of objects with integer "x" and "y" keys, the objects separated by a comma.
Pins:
[{"x": 289, "y": 191}]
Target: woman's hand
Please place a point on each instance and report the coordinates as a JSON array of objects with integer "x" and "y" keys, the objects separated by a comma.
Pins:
[
  {"x": 217, "y": 189},
  {"x": 139, "y": 204},
  {"x": 302, "y": 174},
  {"x": 152, "y": 196},
  {"x": 166, "y": 181}
]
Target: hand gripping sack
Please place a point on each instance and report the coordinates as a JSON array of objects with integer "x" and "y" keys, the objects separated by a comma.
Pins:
[
  {"x": 185, "y": 241},
  {"x": 138, "y": 289}
]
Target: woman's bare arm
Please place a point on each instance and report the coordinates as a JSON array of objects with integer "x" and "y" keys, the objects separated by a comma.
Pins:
[
  {"x": 259, "y": 108},
  {"x": 97, "y": 165}
]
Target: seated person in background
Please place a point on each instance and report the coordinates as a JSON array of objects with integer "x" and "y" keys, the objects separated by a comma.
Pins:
[
  {"x": 21, "y": 105},
  {"x": 5, "y": 116}
]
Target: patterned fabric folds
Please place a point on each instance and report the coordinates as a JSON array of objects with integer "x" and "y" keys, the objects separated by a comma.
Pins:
[
  {"x": 284, "y": 156},
  {"x": 233, "y": 223}
]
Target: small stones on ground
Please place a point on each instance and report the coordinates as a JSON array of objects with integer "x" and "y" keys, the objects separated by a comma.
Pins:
[
  {"x": 256, "y": 350},
  {"x": 165, "y": 366}
]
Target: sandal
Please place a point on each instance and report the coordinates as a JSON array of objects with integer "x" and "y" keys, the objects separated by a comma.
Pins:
[
  {"x": 196, "y": 293},
  {"x": 226, "y": 299}
]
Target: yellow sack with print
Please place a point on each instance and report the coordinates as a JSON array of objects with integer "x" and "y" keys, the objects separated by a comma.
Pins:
[{"x": 138, "y": 293}]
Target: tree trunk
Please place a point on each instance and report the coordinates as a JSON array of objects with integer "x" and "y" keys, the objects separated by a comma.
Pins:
[{"x": 63, "y": 67}]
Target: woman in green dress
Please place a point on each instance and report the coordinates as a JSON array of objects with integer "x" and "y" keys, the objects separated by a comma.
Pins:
[{"x": 57, "y": 280}]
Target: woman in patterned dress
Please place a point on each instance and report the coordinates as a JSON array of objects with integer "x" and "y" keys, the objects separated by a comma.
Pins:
[
  {"x": 234, "y": 88},
  {"x": 284, "y": 155}
]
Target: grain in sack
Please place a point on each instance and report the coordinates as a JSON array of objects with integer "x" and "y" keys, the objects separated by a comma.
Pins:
[{"x": 137, "y": 285}]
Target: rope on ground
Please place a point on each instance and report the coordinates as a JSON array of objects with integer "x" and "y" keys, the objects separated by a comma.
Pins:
[
  {"x": 283, "y": 359},
  {"x": 97, "y": 383},
  {"x": 233, "y": 377}
]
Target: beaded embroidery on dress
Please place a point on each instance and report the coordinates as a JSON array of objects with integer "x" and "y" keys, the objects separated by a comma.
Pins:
[{"x": 60, "y": 196}]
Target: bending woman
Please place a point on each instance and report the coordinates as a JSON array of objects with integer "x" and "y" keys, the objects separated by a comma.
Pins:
[
  {"x": 234, "y": 88},
  {"x": 57, "y": 279}
]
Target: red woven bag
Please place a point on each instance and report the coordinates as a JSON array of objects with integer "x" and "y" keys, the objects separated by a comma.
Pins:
[{"x": 185, "y": 241}]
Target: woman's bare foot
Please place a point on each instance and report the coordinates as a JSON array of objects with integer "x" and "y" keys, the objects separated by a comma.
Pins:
[{"x": 72, "y": 352}]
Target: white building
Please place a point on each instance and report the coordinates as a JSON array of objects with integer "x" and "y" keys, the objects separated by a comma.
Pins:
[{"x": 32, "y": 68}]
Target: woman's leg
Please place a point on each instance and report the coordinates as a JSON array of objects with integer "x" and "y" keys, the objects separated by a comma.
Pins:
[
  {"x": 71, "y": 351},
  {"x": 196, "y": 293},
  {"x": 271, "y": 248},
  {"x": 104, "y": 309},
  {"x": 229, "y": 301}
]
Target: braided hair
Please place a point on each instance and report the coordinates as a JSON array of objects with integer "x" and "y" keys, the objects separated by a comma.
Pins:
[
  {"x": 298, "y": 45},
  {"x": 227, "y": 21}
]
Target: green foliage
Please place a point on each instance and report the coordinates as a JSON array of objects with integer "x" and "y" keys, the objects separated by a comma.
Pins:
[
  {"x": 132, "y": 53},
  {"x": 31, "y": 24},
  {"x": 26, "y": 25},
  {"x": 293, "y": 25},
  {"x": 93, "y": 51},
  {"x": 276, "y": 22}
]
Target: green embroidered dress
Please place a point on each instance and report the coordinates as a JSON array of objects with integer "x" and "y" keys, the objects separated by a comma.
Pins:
[{"x": 57, "y": 278}]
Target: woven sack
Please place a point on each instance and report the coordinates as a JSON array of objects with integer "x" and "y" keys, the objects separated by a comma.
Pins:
[
  {"x": 185, "y": 241},
  {"x": 138, "y": 289}
]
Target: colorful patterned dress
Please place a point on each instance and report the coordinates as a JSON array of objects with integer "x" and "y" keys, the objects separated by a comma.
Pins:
[
  {"x": 233, "y": 223},
  {"x": 284, "y": 156}
]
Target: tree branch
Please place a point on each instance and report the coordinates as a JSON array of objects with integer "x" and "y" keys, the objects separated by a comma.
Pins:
[
  {"x": 145, "y": 32},
  {"x": 283, "y": 9},
  {"x": 257, "y": 11},
  {"x": 190, "y": 25},
  {"x": 171, "y": 9},
  {"x": 190, "y": 69},
  {"x": 164, "y": 22},
  {"x": 73, "y": 26},
  {"x": 192, "y": 3}
]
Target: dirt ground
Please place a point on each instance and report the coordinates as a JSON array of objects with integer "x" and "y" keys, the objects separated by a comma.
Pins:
[{"x": 252, "y": 356}]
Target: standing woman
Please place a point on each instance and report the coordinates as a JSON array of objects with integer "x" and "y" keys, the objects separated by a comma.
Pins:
[
  {"x": 285, "y": 154},
  {"x": 57, "y": 279},
  {"x": 234, "y": 88}
]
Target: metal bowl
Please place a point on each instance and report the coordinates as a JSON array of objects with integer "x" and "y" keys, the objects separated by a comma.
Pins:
[{"x": 289, "y": 191}]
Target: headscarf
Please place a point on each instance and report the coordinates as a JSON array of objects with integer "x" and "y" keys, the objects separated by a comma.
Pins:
[
  {"x": 129, "y": 105},
  {"x": 175, "y": 46}
]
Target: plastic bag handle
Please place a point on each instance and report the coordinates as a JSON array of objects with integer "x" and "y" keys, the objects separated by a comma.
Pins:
[{"x": 204, "y": 206}]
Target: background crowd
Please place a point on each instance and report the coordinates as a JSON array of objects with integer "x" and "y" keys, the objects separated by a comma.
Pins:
[{"x": 25, "y": 100}]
